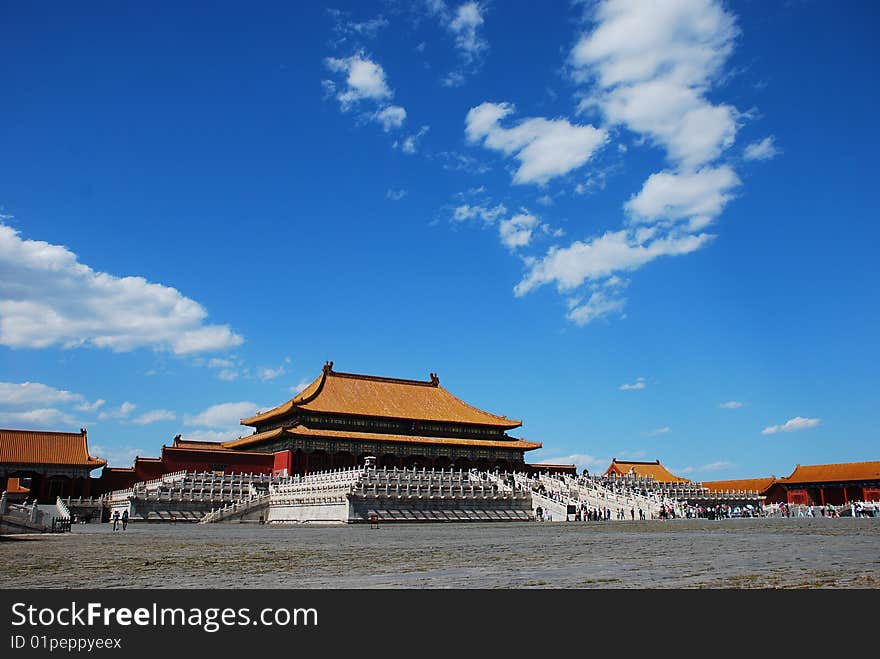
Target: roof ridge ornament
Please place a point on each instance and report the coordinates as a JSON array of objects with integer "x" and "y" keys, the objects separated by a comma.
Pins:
[
  {"x": 328, "y": 367},
  {"x": 435, "y": 381}
]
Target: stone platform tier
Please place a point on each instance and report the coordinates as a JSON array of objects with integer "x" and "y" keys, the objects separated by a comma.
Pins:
[
  {"x": 395, "y": 495},
  {"x": 185, "y": 496}
]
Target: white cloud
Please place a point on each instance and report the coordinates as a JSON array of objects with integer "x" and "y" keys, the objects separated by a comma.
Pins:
[
  {"x": 485, "y": 213},
  {"x": 271, "y": 373},
  {"x": 600, "y": 304},
  {"x": 222, "y": 415},
  {"x": 665, "y": 430},
  {"x": 465, "y": 25},
  {"x": 227, "y": 375},
  {"x": 601, "y": 257},
  {"x": 40, "y": 419},
  {"x": 233, "y": 432},
  {"x": 762, "y": 150},
  {"x": 797, "y": 423},
  {"x": 652, "y": 64},
  {"x": 297, "y": 388},
  {"x": 365, "y": 80},
  {"x": 34, "y": 393},
  {"x": 545, "y": 148},
  {"x": 719, "y": 465},
  {"x": 731, "y": 405},
  {"x": 395, "y": 195},
  {"x": 90, "y": 407},
  {"x": 390, "y": 117},
  {"x": 48, "y": 298},
  {"x": 410, "y": 143},
  {"x": 517, "y": 231},
  {"x": 121, "y": 412},
  {"x": 153, "y": 416},
  {"x": 635, "y": 386},
  {"x": 348, "y": 29},
  {"x": 698, "y": 197}
]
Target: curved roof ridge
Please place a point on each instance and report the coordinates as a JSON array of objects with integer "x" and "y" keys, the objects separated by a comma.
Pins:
[{"x": 433, "y": 382}]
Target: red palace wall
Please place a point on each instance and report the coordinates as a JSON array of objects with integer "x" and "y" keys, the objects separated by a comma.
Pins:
[{"x": 229, "y": 462}]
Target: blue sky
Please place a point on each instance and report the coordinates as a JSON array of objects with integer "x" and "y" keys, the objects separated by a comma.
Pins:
[{"x": 648, "y": 229}]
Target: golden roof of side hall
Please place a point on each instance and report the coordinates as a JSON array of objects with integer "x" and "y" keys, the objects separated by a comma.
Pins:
[
  {"x": 393, "y": 398},
  {"x": 34, "y": 447},
  {"x": 833, "y": 473},
  {"x": 759, "y": 485},
  {"x": 317, "y": 433},
  {"x": 653, "y": 470}
]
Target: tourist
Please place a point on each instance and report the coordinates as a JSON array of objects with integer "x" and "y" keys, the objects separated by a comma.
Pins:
[
  {"x": 632, "y": 513},
  {"x": 124, "y": 519},
  {"x": 115, "y": 520}
]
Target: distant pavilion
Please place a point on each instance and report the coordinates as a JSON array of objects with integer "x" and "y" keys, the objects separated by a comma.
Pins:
[
  {"x": 653, "y": 470},
  {"x": 45, "y": 465},
  {"x": 834, "y": 484},
  {"x": 341, "y": 418}
]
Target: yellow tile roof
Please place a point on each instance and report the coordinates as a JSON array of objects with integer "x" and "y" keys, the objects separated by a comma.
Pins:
[
  {"x": 46, "y": 447},
  {"x": 653, "y": 470},
  {"x": 831, "y": 473},
  {"x": 393, "y": 398},
  {"x": 302, "y": 431}
]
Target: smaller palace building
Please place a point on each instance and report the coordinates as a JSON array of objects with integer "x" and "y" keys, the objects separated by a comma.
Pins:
[
  {"x": 635, "y": 469},
  {"x": 834, "y": 484},
  {"x": 341, "y": 418},
  {"x": 44, "y": 465}
]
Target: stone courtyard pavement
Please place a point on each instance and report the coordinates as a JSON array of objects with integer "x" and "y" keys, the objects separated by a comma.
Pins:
[{"x": 736, "y": 553}]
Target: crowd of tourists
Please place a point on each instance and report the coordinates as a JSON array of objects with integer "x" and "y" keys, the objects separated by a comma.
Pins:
[{"x": 854, "y": 509}]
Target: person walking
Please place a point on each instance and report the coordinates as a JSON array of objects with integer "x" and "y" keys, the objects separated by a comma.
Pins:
[
  {"x": 115, "y": 520},
  {"x": 124, "y": 519}
]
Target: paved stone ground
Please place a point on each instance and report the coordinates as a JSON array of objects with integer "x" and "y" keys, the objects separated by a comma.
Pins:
[{"x": 740, "y": 553}]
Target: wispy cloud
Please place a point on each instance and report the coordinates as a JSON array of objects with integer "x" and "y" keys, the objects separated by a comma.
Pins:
[
  {"x": 797, "y": 423},
  {"x": 222, "y": 415},
  {"x": 731, "y": 405},
  {"x": 719, "y": 465},
  {"x": 121, "y": 412},
  {"x": 762, "y": 150},
  {"x": 299, "y": 386},
  {"x": 635, "y": 386},
  {"x": 665, "y": 430},
  {"x": 465, "y": 24},
  {"x": 153, "y": 416}
]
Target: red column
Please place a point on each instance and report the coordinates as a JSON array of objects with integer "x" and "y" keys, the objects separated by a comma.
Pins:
[
  {"x": 822, "y": 495},
  {"x": 845, "y": 497}
]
